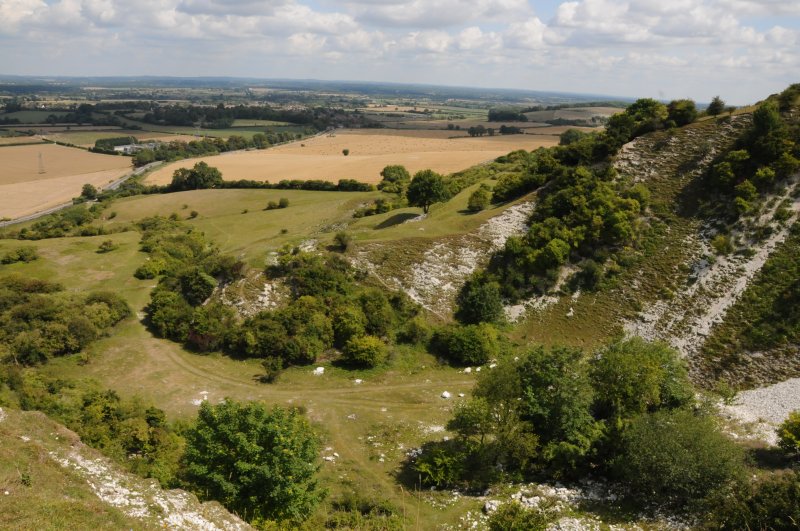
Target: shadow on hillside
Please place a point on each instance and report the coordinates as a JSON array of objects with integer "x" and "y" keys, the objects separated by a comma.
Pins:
[{"x": 397, "y": 219}]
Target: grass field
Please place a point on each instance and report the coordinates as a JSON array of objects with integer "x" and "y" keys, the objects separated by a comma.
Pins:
[
  {"x": 88, "y": 138},
  {"x": 258, "y": 123},
  {"x": 23, "y": 190},
  {"x": 248, "y": 131},
  {"x": 370, "y": 151},
  {"x": 251, "y": 234}
]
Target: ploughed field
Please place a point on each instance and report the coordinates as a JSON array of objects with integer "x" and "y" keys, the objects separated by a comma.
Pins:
[
  {"x": 370, "y": 151},
  {"x": 24, "y": 189}
]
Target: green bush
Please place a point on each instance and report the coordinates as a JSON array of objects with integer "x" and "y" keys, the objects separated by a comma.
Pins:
[
  {"x": 789, "y": 434},
  {"x": 20, "y": 254},
  {"x": 677, "y": 457},
  {"x": 364, "y": 351},
  {"x": 467, "y": 344},
  {"x": 722, "y": 244},
  {"x": 283, "y": 202},
  {"x": 513, "y": 516},
  {"x": 771, "y": 502},
  {"x": 480, "y": 199}
]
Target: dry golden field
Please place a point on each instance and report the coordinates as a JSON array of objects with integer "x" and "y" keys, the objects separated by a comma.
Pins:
[
  {"x": 23, "y": 190},
  {"x": 370, "y": 151},
  {"x": 6, "y": 140}
]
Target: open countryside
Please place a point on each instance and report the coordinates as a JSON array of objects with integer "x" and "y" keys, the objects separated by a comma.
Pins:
[{"x": 370, "y": 151}]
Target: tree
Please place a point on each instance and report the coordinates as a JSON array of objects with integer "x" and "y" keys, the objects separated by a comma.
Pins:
[
  {"x": 258, "y": 462},
  {"x": 200, "y": 176},
  {"x": 570, "y": 136},
  {"x": 682, "y": 112},
  {"x": 395, "y": 179},
  {"x": 89, "y": 192},
  {"x": 426, "y": 188},
  {"x": 716, "y": 106},
  {"x": 632, "y": 377},
  {"x": 345, "y": 152},
  {"x": 556, "y": 398},
  {"x": 196, "y": 285},
  {"x": 479, "y": 301}
]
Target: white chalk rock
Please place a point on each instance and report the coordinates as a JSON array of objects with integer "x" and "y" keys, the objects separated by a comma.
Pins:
[
  {"x": 319, "y": 371},
  {"x": 468, "y": 370},
  {"x": 358, "y": 381},
  {"x": 446, "y": 394}
]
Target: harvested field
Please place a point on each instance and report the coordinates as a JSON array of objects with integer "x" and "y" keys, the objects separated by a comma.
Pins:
[
  {"x": 321, "y": 157},
  {"x": 23, "y": 190},
  {"x": 13, "y": 140}
]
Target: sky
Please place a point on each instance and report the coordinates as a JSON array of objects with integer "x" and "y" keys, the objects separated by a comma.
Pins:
[{"x": 742, "y": 50}]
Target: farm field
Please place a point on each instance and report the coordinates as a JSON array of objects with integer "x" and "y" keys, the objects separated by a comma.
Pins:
[
  {"x": 23, "y": 190},
  {"x": 370, "y": 151},
  {"x": 13, "y": 140}
]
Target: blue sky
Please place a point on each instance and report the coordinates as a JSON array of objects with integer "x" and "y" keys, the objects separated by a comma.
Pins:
[{"x": 742, "y": 50}]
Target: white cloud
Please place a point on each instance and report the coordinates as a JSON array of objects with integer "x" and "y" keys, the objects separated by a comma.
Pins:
[
  {"x": 624, "y": 47},
  {"x": 436, "y": 13}
]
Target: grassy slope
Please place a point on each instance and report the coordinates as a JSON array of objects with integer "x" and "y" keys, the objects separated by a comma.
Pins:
[
  {"x": 56, "y": 498},
  {"x": 398, "y": 405},
  {"x": 660, "y": 262}
]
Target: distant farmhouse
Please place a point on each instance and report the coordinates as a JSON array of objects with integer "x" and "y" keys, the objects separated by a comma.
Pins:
[{"x": 130, "y": 149}]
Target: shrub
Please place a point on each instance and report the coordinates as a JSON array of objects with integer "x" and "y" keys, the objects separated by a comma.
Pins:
[
  {"x": 722, "y": 244},
  {"x": 196, "y": 285},
  {"x": 343, "y": 240},
  {"x": 480, "y": 199},
  {"x": 364, "y": 351},
  {"x": 283, "y": 202},
  {"x": 513, "y": 515},
  {"x": 468, "y": 344},
  {"x": 193, "y": 214},
  {"x": 345, "y": 152},
  {"x": 789, "y": 434},
  {"x": 107, "y": 246},
  {"x": 272, "y": 369},
  {"x": 632, "y": 377},
  {"x": 272, "y": 205},
  {"x": 676, "y": 457},
  {"x": 20, "y": 254},
  {"x": 772, "y": 502}
]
